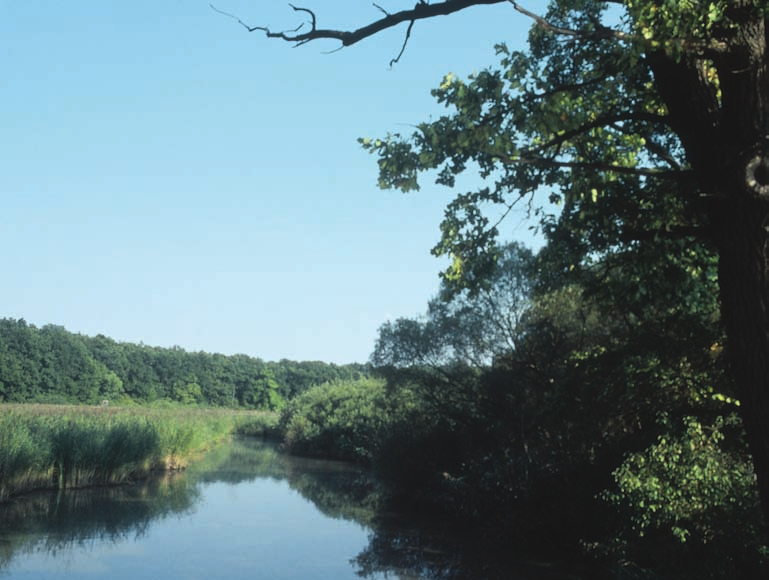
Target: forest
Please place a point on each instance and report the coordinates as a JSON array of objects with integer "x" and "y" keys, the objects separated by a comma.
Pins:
[{"x": 51, "y": 365}]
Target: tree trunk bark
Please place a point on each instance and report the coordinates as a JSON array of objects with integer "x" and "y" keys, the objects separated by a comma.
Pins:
[
  {"x": 725, "y": 133},
  {"x": 741, "y": 154},
  {"x": 744, "y": 286}
]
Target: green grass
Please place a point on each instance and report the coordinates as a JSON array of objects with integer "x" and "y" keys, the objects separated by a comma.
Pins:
[{"x": 60, "y": 446}]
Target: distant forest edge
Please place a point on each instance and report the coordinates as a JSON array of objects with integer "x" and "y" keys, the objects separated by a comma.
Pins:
[{"x": 52, "y": 365}]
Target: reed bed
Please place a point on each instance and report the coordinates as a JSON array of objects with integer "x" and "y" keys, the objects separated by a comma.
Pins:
[{"x": 60, "y": 446}]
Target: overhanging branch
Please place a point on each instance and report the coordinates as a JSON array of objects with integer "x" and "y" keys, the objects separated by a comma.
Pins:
[
  {"x": 421, "y": 11},
  {"x": 600, "y": 33}
]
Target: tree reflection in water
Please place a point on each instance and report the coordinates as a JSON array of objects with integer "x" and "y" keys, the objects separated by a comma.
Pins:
[
  {"x": 56, "y": 522},
  {"x": 59, "y": 522}
]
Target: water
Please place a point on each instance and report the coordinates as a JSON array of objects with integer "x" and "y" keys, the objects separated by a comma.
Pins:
[{"x": 242, "y": 511}]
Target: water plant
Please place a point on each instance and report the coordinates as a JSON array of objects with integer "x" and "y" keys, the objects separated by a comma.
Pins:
[{"x": 61, "y": 446}]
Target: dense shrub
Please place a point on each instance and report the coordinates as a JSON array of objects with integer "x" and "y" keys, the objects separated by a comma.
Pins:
[
  {"x": 341, "y": 420},
  {"x": 688, "y": 505}
]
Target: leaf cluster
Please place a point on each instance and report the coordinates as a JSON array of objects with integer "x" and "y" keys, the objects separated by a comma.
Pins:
[{"x": 575, "y": 121}]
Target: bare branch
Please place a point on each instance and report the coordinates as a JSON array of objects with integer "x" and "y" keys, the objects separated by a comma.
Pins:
[
  {"x": 405, "y": 42},
  {"x": 310, "y": 12},
  {"x": 420, "y": 11},
  {"x": 215, "y": 9},
  {"x": 600, "y": 33}
]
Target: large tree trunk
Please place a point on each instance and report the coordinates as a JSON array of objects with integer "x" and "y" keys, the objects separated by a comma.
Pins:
[
  {"x": 726, "y": 138},
  {"x": 739, "y": 153},
  {"x": 744, "y": 284}
]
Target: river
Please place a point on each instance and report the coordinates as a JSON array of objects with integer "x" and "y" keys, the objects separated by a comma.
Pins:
[{"x": 243, "y": 510}]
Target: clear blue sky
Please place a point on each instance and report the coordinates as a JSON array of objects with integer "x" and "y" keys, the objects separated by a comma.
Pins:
[{"x": 169, "y": 178}]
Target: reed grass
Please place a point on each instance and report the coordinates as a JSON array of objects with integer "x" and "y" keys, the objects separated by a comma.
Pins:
[{"x": 60, "y": 446}]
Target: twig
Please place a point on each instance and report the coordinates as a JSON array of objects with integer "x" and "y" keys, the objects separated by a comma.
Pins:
[{"x": 405, "y": 42}]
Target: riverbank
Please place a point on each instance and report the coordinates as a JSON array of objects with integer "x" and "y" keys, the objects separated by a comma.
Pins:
[{"x": 69, "y": 446}]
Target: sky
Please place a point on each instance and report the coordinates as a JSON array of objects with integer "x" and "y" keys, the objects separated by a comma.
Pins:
[{"x": 169, "y": 178}]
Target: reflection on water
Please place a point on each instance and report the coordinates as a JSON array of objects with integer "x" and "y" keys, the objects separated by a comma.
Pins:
[
  {"x": 56, "y": 522},
  {"x": 242, "y": 511}
]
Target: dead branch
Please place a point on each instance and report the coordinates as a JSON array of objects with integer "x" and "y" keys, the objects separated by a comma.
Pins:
[
  {"x": 420, "y": 11},
  {"x": 405, "y": 42}
]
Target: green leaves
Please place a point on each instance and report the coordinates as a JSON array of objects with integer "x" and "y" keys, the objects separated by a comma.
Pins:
[
  {"x": 615, "y": 350},
  {"x": 689, "y": 488},
  {"x": 570, "y": 120},
  {"x": 343, "y": 420},
  {"x": 398, "y": 164},
  {"x": 678, "y": 26}
]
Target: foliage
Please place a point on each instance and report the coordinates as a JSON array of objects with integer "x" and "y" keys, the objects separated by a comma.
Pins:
[
  {"x": 51, "y": 365},
  {"x": 636, "y": 133},
  {"x": 692, "y": 504},
  {"x": 472, "y": 327},
  {"x": 645, "y": 122},
  {"x": 341, "y": 420},
  {"x": 566, "y": 119},
  {"x": 594, "y": 369},
  {"x": 52, "y": 446},
  {"x": 259, "y": 424}
]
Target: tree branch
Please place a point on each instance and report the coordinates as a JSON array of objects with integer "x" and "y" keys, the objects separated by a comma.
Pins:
[
  {"x": 674, "y": 232},
  {"x": 600, "y": 33},
  {"x": 420, "y": 11},
  {"x": 405, "y": 42},
  {"x": 606, "y": 120},
  {"x": 607, "y": 167},
  {"x": 710, "y": 48}
]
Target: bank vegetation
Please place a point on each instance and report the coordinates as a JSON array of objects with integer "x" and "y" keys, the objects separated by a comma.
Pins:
[{"x": 66, "y": 446}]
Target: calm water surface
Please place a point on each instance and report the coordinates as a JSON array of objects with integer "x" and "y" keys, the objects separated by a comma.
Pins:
[{"x": 243, "y": 511}]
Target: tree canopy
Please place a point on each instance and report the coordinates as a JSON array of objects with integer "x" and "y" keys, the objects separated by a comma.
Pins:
[
  {"x": 52, "y": 365},
  {"x": 646, "y": 120}
]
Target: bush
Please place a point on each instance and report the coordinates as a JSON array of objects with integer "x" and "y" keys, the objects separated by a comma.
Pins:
[
  {"x": 688, "y": 506},
  {"x": 258, "y": 423},
  {"x": 340, "y": 420}
]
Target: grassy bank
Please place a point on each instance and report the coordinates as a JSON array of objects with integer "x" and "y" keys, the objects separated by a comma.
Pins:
[{"x": 60, "y": 446}]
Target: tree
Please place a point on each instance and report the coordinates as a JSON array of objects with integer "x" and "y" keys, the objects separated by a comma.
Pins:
[
  {"x": 443, "y": 353},
  {"x": 648, "y": 120},
  {"x": 187, "y": 391},
  {"x": 474, "y": 327}
]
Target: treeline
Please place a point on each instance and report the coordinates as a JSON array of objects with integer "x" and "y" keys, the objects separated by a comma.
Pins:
[
  {"x": 52, "y": 365},
  {"x": 585, "y": 408}
]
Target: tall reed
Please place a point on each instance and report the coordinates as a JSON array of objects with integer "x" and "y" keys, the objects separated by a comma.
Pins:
[{"x": 52, "y": 446}]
